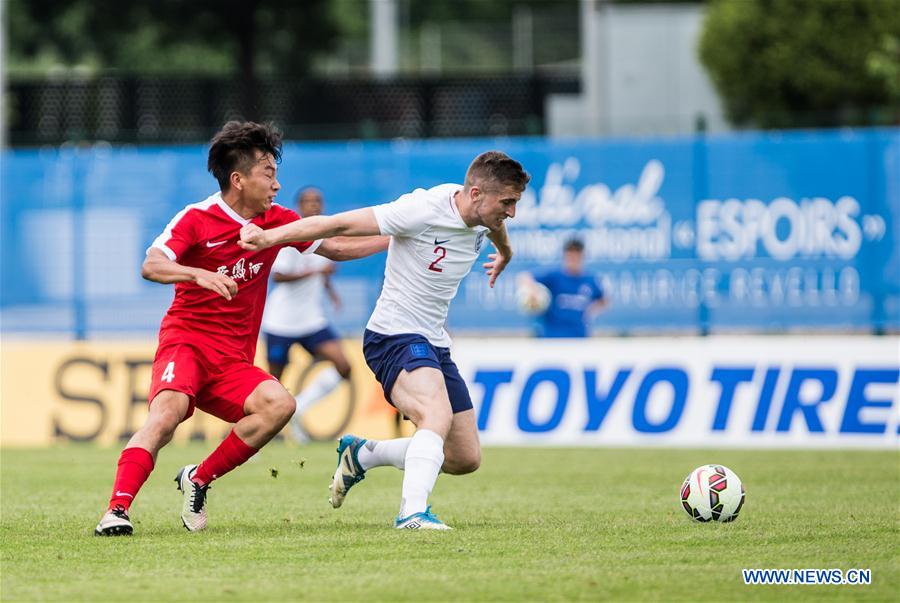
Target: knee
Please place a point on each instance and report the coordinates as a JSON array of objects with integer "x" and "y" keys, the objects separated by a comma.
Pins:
[
  {"x": 462, "y": 464},
  {"x": 435, "y": 419},
  {"x": 160, "y": 427},
  {"x": 280, "y": 407},
  {"x": 168, "y": 425}
]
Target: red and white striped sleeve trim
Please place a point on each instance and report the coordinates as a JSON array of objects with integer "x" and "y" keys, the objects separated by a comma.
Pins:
[{"x": 312, "y": 247}]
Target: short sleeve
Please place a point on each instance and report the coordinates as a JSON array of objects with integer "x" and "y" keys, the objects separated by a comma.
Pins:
[
  {"x": 286, "y": 261},
  {"x": 306, "y": 247},
  {"x": 178, "y": 236},
  {"x": 407, "y": 216},
  {"x": 598, "y": 288}
]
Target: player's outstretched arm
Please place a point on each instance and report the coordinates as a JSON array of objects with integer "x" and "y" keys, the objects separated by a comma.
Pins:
[
  {"x": 355, "y": 223},
  {"x": 341, "y": 249},
  {"x": 498, "y": 261},
  {"x": 157, "y": 267}
]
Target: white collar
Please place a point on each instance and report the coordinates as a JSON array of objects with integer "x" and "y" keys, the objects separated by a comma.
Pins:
[{"x": 228, "y": 211}]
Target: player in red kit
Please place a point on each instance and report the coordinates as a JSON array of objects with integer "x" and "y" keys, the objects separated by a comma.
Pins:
[{"x": 207, "y": 339}]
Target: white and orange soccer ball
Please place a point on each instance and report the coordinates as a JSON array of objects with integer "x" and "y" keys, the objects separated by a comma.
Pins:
[{"x": 712, "y": 493}]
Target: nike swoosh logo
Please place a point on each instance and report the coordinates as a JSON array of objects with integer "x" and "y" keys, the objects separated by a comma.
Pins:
[
  {"x": 124, "y": 494},
  {"x": 436, "y": 242},
  {"x": 211, "y": 244}
]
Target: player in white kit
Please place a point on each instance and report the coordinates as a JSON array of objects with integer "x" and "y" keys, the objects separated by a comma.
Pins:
[
  {"x": 295, "y": 314},
  {"x": 436, "y": 236}
]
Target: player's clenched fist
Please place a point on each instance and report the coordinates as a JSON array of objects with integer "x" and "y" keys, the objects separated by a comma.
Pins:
[
  {"x": 221, "y": 284},
  {"x": 253, "y": 238}
]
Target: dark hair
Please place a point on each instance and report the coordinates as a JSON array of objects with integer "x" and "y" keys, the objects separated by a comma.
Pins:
[
  {"x": 573, "y": 244},
  {"x": 494, "y": 166},
  {"x": 234, "y": 148}
]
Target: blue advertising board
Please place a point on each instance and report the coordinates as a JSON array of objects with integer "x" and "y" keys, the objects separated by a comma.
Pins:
[{"x": 771, "y": 231}]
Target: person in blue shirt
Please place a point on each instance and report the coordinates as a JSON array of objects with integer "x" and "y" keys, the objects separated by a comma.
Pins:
[{"x": 575, "y": 297}]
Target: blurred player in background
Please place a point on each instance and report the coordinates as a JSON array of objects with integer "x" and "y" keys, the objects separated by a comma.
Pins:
[
  {"x": 295, "y": 314},
  {"x": 207, "y": 339},
  {"x": 565, "y": 299},
  {"x": 436, "y": 236}
]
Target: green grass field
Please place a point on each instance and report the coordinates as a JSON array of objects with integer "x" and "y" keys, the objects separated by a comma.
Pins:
[{"x": 532, "y": 524}]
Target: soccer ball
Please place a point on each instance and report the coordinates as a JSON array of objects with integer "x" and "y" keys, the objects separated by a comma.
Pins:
[
  {"x": 532, "y": 298},
  {"x": 712, "y": 492}
]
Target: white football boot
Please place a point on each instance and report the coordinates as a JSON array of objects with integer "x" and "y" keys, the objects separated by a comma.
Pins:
[
  {"x": 114, "y": 522},
  {"x": 426, "y": 520},
  {"x": 349, "y": 472},
  {"x": 193, "y": 508}
]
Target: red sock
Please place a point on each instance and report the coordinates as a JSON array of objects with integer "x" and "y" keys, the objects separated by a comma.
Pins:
[
  {"x": 231, "y": 453},
  {"x": 135, "y": 465}
]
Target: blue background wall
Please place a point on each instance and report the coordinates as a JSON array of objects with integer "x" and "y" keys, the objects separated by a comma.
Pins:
[{"x": 754, "y": 231}]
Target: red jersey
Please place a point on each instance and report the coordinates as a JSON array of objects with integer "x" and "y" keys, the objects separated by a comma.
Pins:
[{"x": 204, "y": 235}]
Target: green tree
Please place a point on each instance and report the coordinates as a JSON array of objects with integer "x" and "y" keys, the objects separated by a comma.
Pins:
[
  {"x": 782, "y": 63},
  {"x": 244, "y": 38}
]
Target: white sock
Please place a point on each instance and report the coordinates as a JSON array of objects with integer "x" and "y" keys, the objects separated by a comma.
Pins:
[
  {"x": 381, "y": 453},
  {"x": 424, "y": 457},
  {"x": 321, "y": 386}
]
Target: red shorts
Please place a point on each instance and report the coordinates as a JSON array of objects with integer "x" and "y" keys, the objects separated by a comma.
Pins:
[{"x": 214, "y": 385}]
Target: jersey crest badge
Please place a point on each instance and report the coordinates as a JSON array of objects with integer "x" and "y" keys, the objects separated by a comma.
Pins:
[
  {"x": 418, "y": 350},
  {"x": 479, "y": 241}
]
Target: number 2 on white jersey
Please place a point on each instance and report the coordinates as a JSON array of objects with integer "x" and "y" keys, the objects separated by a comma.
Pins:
[
  {"x": 169, "y": 374},
  {"x": 442, "y": 253}
]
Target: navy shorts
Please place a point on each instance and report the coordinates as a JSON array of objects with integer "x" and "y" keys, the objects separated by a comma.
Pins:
[
  {"x": 387, "y": 355},
  {"x": 277, "y": 347}
]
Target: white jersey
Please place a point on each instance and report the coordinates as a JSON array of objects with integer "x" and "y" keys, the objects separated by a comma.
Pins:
[
  {"x": 431, "y": 251},
  {"x": 295, "y": 308}
]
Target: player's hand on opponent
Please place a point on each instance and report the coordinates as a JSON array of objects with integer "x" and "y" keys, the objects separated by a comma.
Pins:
[
  {"x": 253, "y": 238},
  {"x": 221, "y": 284},
  {"x": 495, "y": 266}
]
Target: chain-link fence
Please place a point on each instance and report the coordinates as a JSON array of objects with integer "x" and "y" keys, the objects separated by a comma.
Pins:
[{"x": 171, "y": 110}]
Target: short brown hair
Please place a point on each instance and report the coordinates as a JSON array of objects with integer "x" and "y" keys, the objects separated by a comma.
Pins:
[
  {"x": 234, "y": 148},
  {"x": 497, "y": 167}
]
